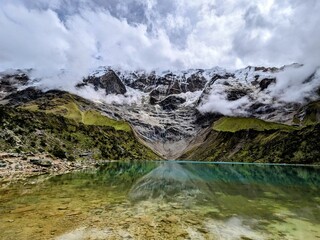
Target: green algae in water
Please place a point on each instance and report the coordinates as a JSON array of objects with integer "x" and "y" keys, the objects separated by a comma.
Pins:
[{"x": 166, "y": 200}]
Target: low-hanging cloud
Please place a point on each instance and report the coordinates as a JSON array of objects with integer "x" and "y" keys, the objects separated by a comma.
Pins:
[
  {"x": 64, "y": 40},
  {"x": 132, "y": 96},
  {"x": 38, "y": 39},
  {"x": 296, "y": 84},
  {"x": 218, "y": 103}
]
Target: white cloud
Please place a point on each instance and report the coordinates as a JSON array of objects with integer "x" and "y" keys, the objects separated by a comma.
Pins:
[
  {"x": 81, "y": 35},
  {"x": 132, "y": 96},
  {"x": 216, "y": 101},
  {"x": 219, "y": 104},
  {"x": 31, "y": 38},
  {"x": 286, "y": 33},
  {"x": 295, "y": 84}
]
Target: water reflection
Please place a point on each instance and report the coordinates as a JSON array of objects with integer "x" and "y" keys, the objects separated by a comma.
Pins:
[
  {"x": 173, "y": 180},
  {"x": 169, "y": 180},
  {"x": 166, "y": 200}
]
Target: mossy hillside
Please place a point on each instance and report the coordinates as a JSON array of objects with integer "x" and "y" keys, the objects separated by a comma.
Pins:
[
  {"x": 92, "y": 117},
  {"x": 234, "y": 124},
  {"x": 299, "y": 146},
  {"x": 312, "y": 115},
  {"x": 37, "y": 131},
  {"x": 75, "y": 108}
]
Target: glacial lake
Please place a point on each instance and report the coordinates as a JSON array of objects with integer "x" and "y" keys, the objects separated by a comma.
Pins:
[{"x": 165, "y": 200}]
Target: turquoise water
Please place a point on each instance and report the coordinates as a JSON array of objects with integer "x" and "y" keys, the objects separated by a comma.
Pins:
[{"x": 166, "y": 200}]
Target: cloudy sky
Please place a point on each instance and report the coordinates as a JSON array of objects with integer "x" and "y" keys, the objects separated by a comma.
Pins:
[{"x": 79, "y": 35}]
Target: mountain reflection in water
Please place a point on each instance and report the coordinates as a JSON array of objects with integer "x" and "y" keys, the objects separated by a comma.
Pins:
[
  {"x": 165, "y": 200},
  {"x": 169, "y": 180},
  {"x": 175, "y": 180}
]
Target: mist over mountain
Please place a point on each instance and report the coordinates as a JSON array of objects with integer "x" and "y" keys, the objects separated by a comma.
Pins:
[
  {"x": 175, "y": 71},
  {"x": 159, "y": 119},
  {"x": 79, "y": 36},
  {"x": 214, "y": 115},
  {"x": 173, "y": 111},
  {"x": 217, "y": 90}
]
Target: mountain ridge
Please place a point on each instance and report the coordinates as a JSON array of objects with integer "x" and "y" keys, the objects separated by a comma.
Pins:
[{"x": 169, "y": 110}]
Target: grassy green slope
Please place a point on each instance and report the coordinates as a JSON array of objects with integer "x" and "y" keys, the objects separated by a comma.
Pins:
[
  {"x": 234, "y": 124},
  {"x": 312, "y": 115},
  {"x": 22, "y": 130},
  {"x": 92, "y": 117},
  {"x": 252, "y": 140},
  {"x": 75, "y": 108}
]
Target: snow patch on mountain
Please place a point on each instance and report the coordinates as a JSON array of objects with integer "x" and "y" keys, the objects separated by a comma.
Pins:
[
  {"x": 167, "y": 109},
  {"x": 266, "y": 93},
  {"x": 248, "y": 91}
]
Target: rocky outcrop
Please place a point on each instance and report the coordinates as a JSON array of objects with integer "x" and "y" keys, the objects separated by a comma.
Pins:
[
  {"x": 24, "y": 96},
  {"x": 171, "y": 103},
  {"x": 167, "y": 118},
  {"x": 168, "y": 82},
  {"x": 164, "y": 84},
  {"x": 41, "y": 162},
  {"x": 109, "y": 82},
  {"x": 165, "y": 131},
  {"x": 235, "y": 94},
  {"x": 11, "y": 81},
  {"x": 167, "y": 112},
  {"x": 265, "y": 83}
]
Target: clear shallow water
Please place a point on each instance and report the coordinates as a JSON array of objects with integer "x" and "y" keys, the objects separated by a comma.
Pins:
[{"x": 166, "y": 200}]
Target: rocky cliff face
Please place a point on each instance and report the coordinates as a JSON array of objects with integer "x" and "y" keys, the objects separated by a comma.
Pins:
[
  {"x": 174, "y": 107},
  {"x": 172, "y": 111},
  {"x": 11, "y": 81},
  {"x": 67, "y": 127},
  {"x": 109, "y": 82}
]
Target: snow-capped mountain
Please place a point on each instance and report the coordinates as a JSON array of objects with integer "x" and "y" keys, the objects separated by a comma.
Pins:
[{"x": 169, "y": 109}]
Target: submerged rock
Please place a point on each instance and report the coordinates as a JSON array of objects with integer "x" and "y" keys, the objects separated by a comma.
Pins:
[
  {"x": 42, "y": 162},
  {"x": 3, "y": 164}
]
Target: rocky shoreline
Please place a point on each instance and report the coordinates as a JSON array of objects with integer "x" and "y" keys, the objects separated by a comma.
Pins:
[{"x": 15, "y": 167}]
